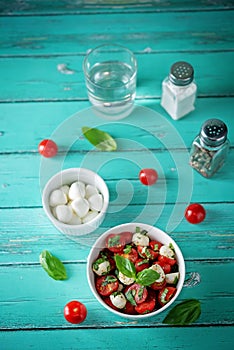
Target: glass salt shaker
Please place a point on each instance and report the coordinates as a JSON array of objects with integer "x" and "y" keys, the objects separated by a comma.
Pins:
[
  {"x": 209, "y": 149},
  {"x": 179, "y": 90}
]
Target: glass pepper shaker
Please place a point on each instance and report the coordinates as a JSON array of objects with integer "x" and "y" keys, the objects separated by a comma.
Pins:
[
  {"x": 209, "y": 149},
  {"x": 179, "y": 90}
]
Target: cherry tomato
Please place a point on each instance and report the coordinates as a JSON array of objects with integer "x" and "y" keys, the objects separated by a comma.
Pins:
[
  {"x": 138, "y": 292},
  {"x": 132, "y": 255},
  {"x": 165, "y": 260},
  {"x": 148, "y": 176},
  {"x": 141, "y": 264},
  {"x": 115, "y": 243},
  {"x": 129, "y": 308},
  {"x": 47, "y": 148},
  {"x": 148, "y": 305},
  {"x": 147, "y": 253},
  {"x": 166, "y": 267},
  {"x": 106, "y": 285},
  {"x": 166, "y": 294},
  {"x": 155, "y": 245},
  {"x": 127, "y": 237},
  {"x": 195, "y": 213},
  {"x": 75, "y": 312}
]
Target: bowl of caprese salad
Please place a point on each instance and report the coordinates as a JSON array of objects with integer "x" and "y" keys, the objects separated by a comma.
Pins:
[{"x": 135, "y": 270}]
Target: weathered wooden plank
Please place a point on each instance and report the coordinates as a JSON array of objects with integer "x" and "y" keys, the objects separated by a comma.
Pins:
[
  {"x": 22, "y": 239},
  {"x": 19, "y": 292},
  {"x": 158, "y": 32},
  {"x": 35, "y": 7},
  {"x": 43, "y": 120},
  {"x": 153, "y": 338},
  {"x": 22, "y": 179},
  {"x": 38, "y": 79}
]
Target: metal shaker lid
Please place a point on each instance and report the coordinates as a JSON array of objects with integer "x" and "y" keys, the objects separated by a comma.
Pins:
[
  {"x": 214, "y": 132},
  {"x": 181, "y": 73}
]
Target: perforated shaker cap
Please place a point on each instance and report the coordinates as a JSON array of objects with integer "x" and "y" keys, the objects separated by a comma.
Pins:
[
  {"x": 214, "y": 132},
  {"x": 181, "y": 73}
]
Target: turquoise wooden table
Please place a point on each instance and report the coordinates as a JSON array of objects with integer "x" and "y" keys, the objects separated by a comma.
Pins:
[{"x": 42, "y": 47}]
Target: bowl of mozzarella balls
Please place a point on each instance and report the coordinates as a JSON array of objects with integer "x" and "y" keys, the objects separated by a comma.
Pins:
[{"x": 76, "y": 201}]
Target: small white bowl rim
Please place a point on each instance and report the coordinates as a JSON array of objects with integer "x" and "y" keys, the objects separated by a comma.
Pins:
[
  {"x": 67, "y": 171},
  {"x": 118, "y": 229}
]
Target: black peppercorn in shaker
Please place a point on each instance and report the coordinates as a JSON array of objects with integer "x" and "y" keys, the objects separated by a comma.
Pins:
[{"x": 209, "y": 149}]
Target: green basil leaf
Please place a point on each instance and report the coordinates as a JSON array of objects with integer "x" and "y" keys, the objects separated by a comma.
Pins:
[
  {"x": 101, "y": 139},
  {"x": 52, "y": 265},
  {"x": 129, "y": 296},
  {"x": 147, "y": 276},
  {"x": 184, "y": 313},
  {"x": 125, "y": 266}
]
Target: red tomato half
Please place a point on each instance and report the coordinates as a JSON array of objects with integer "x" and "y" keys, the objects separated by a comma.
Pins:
[
  {"x": 132, "y": 255},
  {"x": 158, "y": 285},
  {"x": 115, "y": 243},
  {"x": 165, "y": 260},
  {"x": 138, "y": 292},
  {"x": 166, "y": 294},
  {"x": 75, "y": 312},
  {"x": 155, "y": 245},
  {"x": 47, "y": 148},
  {"x": 147, "y": 253},
  {"x": 141, "y": 264},
  {"x": 106, "y": 285},
  {"x": 148, "y": 176},
  {"x": 195, "y": 213},
  {"x": 129, "y": 309},
  {"x": 148, "y": 305},
  {"x": 166, "y": 267}
]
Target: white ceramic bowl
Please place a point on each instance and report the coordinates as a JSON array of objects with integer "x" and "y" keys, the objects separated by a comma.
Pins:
[
  {"x": 67, "y": 177},
  {"x": 155, "y": 234}
]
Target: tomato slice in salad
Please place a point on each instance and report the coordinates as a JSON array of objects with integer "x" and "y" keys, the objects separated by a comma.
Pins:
[
  {"x": 141, "y": 264},
  {"x": 166, "y": 294},
  {"x": 130, "y": 254},
  {"x": 106, "y": 285},
  {"x": 148, "y": 305},
  {"x": 136, "y": 292},
  {"x": 116, "y": 242},
  {"x": 155, "y": 245},
  {"x": 165, "y": 260}
]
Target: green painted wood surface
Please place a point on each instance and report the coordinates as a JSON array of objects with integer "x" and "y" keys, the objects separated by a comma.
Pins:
[
  {"x": 37, "y": 101},
  {"x": 29, "y": 7}
]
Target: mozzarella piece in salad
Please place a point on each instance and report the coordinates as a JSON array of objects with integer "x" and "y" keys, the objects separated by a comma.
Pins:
[
  {"x": 118, "y": 300},
  {"x": 76, "y": 204}
]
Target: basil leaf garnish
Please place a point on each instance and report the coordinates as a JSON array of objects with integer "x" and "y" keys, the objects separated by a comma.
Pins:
[
  {"x": 52, "y": 265},
  {"x": 147, "y": 276},
  {"x": 184, "y": 313},
  {"x": 125, "y": 266},
  {"x": 101, "y": 139},
  {"x": 130, "y": 297}
]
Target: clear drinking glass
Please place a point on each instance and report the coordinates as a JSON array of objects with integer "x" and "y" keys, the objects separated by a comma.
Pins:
[{"x": 110, "y": 73}]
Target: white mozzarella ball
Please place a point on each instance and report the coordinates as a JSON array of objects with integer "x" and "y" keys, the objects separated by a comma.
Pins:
[
  {"x": 140, "y": 239},
  {"x": 75, "y": 220},
  {"x": 167, "y": 251},
  {"x": 90, "y": 190},
  {"x": 90, "y": 216},
  {"x": 77, "y": 189},
  {"x": 80, "y": 206},
  {"x": 65, "y": 189},
  {"x": 125, "y": 280},
  {"x": 57, "y": 197},
  {"x": 118, "y": 300},
  {"x": 96, "y": 202},
  {"x": 159, "y": 270},
  {"x": 63, "y": 213}
]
